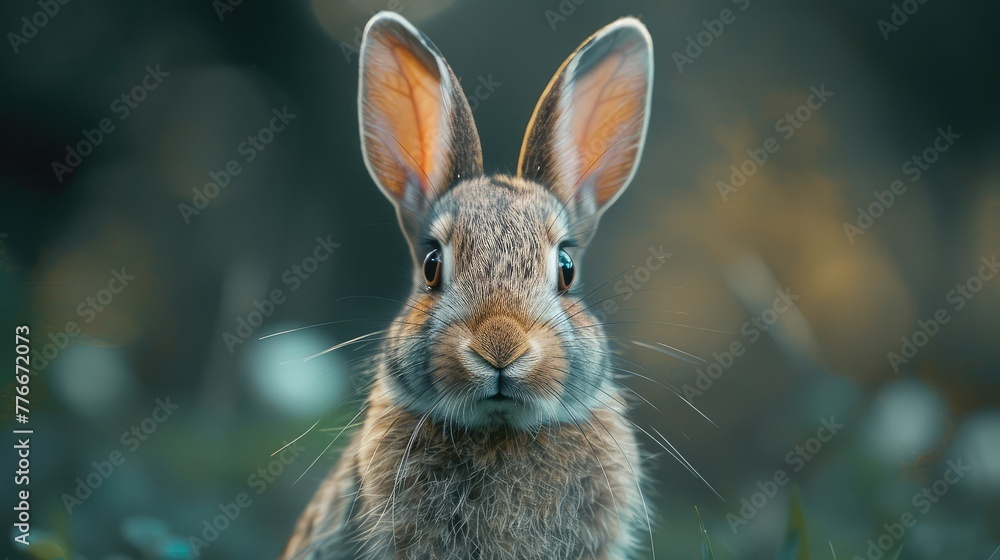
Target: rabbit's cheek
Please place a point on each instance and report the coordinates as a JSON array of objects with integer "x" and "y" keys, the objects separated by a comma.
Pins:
[
  {"x": 415, "y": 316},
  {"x": 549, "y": 372},
  {"x": 446, "y": 368},
  {"x": 586, "y": 356}
]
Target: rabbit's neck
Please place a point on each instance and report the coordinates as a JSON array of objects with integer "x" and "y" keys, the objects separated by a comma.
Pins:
[{"x": 569, "y": 491}]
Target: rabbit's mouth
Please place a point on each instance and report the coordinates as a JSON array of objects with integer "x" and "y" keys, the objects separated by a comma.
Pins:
[
  {"x": 504, "y": 392},
  {"x": 500, "y": 372},
  {"x": 501, "y": 382}
]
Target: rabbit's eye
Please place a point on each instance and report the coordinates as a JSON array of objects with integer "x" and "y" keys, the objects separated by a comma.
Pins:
[
  {"x": 432, "y": 268},
  {"x": 566, "y": 271}
]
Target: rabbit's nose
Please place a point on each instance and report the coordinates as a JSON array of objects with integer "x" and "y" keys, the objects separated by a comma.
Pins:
[{"x": 500, "y": 341}]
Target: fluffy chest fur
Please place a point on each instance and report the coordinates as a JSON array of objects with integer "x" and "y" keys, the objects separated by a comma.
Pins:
[{"x": 426, "y": 492}]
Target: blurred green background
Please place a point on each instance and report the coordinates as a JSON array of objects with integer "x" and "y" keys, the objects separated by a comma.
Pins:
[{"x": 157, "y": 99}]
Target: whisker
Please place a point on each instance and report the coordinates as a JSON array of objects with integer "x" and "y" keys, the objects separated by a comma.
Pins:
[
  {"x": 603, "y": 284},
  {"x": 336, "y": 347},
  {"x": 323, "y": 325},
  {"x": 656, "y": 323},
  {"x": 348, "y": 365},
  {"x": 600, "y": 301},
  {"x": 670, "y": 387},
  {"x": 593, "y": 449},
  {"x": 321, "y": 418},
  {"x": 635, "y": 477},
  {"x": 685, "y": 462},
  {"x": 409, "y": 304},
  {"x": 672, "y": 450},
  {"x": 401, "y": 469},
  {"x": 364, "y": 475},
  {"x": 666, "y": 349},
  {"x": 329, "y": 445}
]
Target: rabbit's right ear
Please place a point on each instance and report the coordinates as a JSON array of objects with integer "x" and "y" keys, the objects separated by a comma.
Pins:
[
  {"x": 587, "y": 132},
  {"x": 417, "y": 133}
]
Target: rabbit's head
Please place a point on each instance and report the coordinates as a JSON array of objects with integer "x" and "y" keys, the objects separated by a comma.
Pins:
[{"x": 495, "y": 332}]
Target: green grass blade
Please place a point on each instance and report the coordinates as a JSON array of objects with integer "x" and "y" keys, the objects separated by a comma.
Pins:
[
  {"x": 706, "y": 545},
  {"x": 796, "y": 545}
]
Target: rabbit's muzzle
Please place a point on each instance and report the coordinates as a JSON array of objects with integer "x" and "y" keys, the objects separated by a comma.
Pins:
[{"x": 500, "y": 341}]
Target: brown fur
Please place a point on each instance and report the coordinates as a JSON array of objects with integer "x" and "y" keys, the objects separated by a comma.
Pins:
[
  {"x": 494, "y": 428},
  {"x": 566, "y": 492}
]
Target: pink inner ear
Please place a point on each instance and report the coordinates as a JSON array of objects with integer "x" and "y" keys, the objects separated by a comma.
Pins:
[
  {"x": 607, "y": 106},
  {"x": 402, "y": 113}
]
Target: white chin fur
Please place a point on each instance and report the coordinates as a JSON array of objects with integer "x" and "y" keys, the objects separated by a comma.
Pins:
[{"x": 472, "y": 412}]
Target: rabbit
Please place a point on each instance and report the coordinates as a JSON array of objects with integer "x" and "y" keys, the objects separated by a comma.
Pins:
[{"x": 494, "y": 427}]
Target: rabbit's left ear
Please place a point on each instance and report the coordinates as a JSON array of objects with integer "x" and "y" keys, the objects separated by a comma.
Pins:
[
  {"x": 586, "y": 135},
  {"x": 417, "y": 133}
]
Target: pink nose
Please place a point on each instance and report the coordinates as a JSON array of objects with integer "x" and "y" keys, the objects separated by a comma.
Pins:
[{"x": 500, "y": 341}]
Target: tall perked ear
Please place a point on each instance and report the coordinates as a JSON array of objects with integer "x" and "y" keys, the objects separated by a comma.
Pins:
[
  {"x": 417, "y": 133},
  {"x": 585, "y": 137}
]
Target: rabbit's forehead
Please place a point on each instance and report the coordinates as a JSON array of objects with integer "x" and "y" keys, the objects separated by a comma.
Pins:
[
  {"x": 499, "y": 215},
  {"x": 498, "y": 230}
]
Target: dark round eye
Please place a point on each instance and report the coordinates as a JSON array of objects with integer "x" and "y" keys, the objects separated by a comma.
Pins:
[
  {"x": 432, "y": 268},
  {"x": 566, "y": 271}
]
